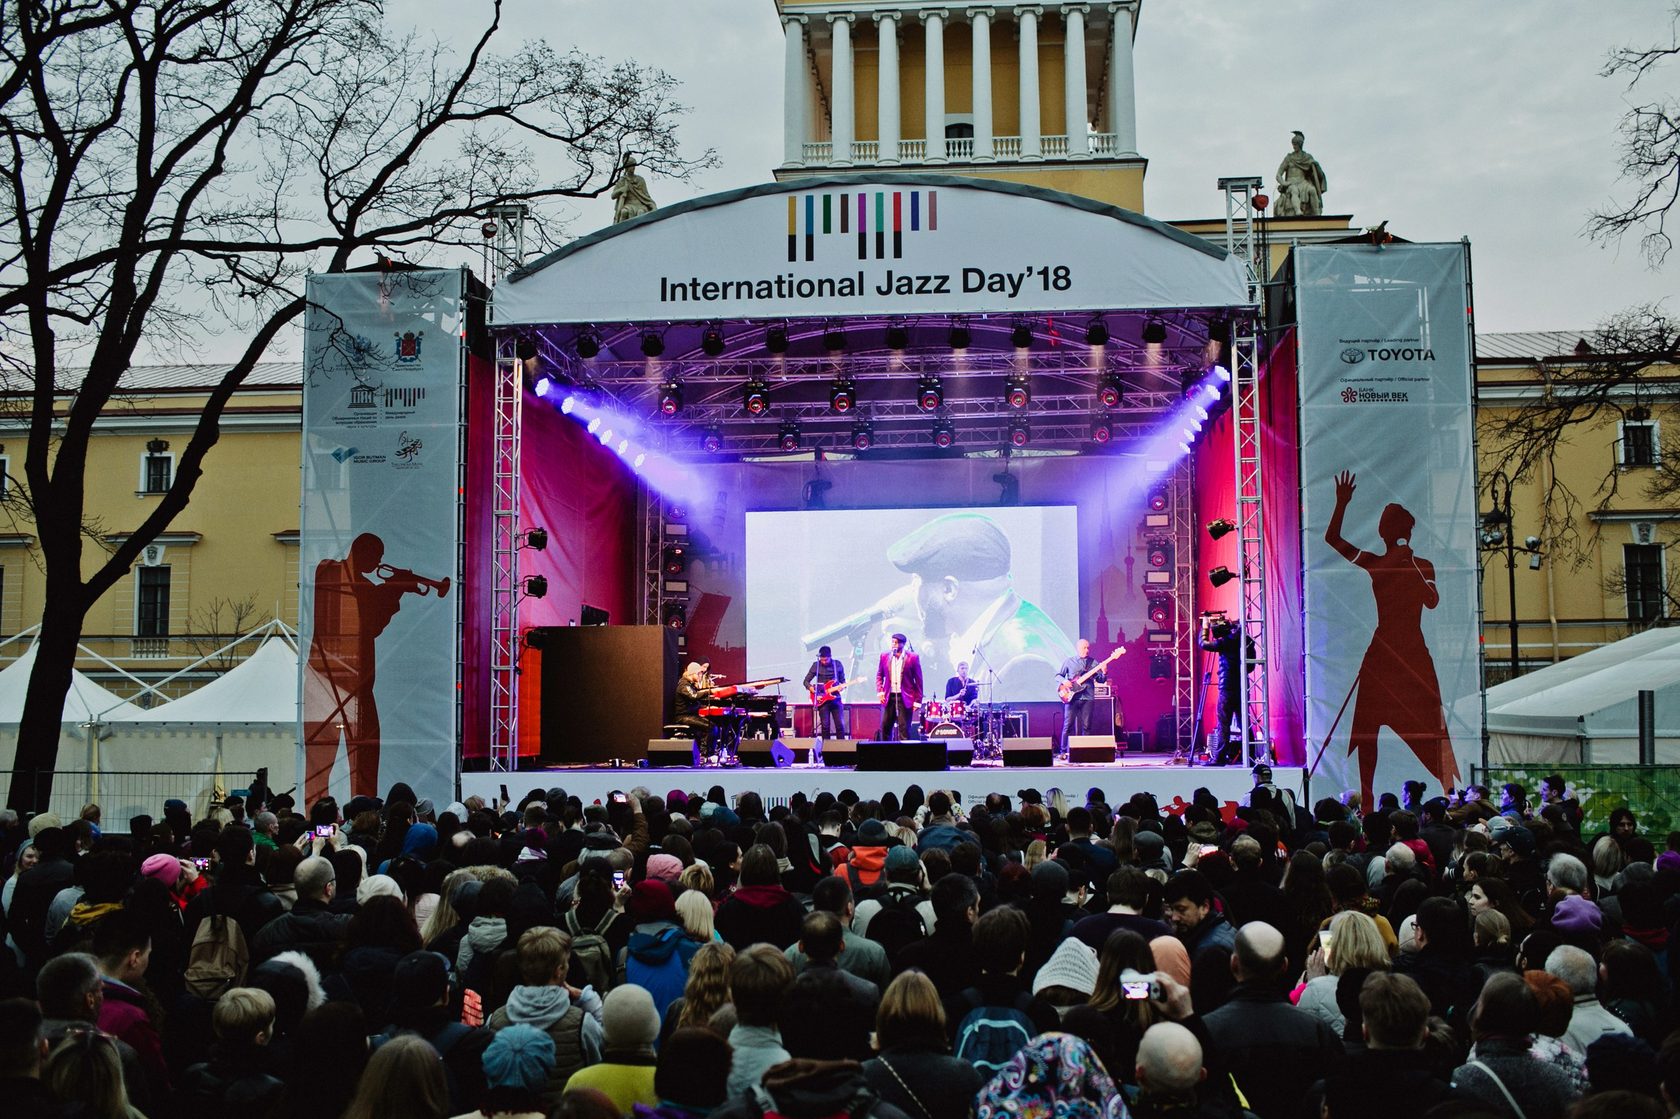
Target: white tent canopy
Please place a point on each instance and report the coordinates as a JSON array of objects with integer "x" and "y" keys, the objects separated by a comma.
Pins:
[
  {"x": 1586, "y": 709},
  {"x": 260, "y": 689},
  {"x": 86, "y": 704}
]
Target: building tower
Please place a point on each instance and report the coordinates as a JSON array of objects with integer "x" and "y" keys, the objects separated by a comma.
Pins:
[{"x": 1039, "y": 94}]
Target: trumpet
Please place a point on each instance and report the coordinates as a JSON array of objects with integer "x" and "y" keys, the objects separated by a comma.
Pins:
[{"x": 390, "y": 574}]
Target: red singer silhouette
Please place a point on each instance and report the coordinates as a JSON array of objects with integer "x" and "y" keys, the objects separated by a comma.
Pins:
[
  {"x": 1397, "y": 684},
  {"x": 351, "y": 611}
]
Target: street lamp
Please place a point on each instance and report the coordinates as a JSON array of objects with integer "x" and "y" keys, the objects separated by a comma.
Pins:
[{"x": 1498, "y": 535}]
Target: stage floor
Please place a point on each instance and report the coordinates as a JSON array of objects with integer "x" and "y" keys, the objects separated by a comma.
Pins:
[{"x": 1118, "y": 781}]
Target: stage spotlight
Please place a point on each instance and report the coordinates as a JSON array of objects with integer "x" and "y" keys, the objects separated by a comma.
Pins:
[
  {"x": 755, "y": 397},
  {"x": 1021, "y": 336},
  {"x": 543, "y": 387},
  {"x": 1110, "y": 390},
  {"x": 535, "y": 539},
  {"x": 1160, "y": 666},
  {"x": 1219, "y": 340},
  {"x": 711, "y": 341},
  {"x": 776, "y": 340},
  {"x": 1019, "y": 392},
  {"x": 536, "y": 586},
  {"x": 1219, "y": 576},
  {"x": 567, "y": 405},
  {"x": 1019, "y": 433},
  {"x": 641, "y": 458},
  {"x": 676, "y": 559},
  {"x": 863, "y": 436},
  {"x": 711, "y": 440},
  {"x": 1097, "y": 333},
  {"x": 676, "y": 615},
  {"x": 1222, "y": 373},
  {"x": 929, "y": 394},
  {"x": 1158, "y": 499},
  {"x": 787, "y": 437},
  {"x": 587, "y": 344},
  {"x": 1102, "y": 430},
  {"x": 594, "y": 425},
  {"x": 834, "y": 339},
  {"x": 1218, "y": 528},
  {"x": 525, "y": 348},
  {"x": 670, "y": 398},
  {"x": 1154, "y": 332},
  {"x": 944, "y": 435},
  {"x": 1160, "y": 610},
  {"x": 1188, "y": 380},
  {"x": 653, "y": 344},
  {"x": 1160, "y": 554},
  {"x": 842, "y": 395},
  {"x": 898, "y": 336},
  {"x": 960, "y": 336}
]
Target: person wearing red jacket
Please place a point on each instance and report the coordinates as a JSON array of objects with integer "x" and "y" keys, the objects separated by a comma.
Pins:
[{"x": 898, "y": 685}]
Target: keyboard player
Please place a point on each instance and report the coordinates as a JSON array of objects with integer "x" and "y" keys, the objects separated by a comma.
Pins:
[{"x": 693, "y": 691}]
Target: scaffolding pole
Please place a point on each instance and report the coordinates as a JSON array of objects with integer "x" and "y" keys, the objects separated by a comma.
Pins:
[{"x": 505, "y": 594}]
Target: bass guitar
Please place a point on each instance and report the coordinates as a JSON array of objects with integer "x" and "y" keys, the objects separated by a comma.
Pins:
[
  {"x": 1067, "y": 689},
  {"x": 825, "y": 693}
]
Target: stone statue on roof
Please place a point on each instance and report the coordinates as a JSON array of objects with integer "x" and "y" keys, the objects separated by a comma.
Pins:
[
  {"x": 1301, "y": 183},
  {"x": 630, "y": 193}
]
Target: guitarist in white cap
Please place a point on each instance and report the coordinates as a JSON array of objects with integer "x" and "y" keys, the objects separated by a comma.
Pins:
[{"x": 1078, "y": 676}]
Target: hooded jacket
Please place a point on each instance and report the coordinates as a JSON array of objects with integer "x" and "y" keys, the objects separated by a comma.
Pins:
[
  {"x": 755, "y": 914},
  {"x": 803, "y": 1089},
  {"x": 484, "y": 935},
  {"x": 867, "y": 867},
  {"x": 658, "y": 962},
  {"x": 575, "y": 1026}
]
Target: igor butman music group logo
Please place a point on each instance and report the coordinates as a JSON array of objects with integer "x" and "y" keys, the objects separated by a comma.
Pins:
[{"x": 877, "y": 220}]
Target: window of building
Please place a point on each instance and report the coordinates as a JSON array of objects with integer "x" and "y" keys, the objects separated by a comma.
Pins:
[
  {"x": 1642, "y": 567},
  {"x": 157, "y": 470},
  {"x": 1639, "y": 443},
  {"x": 151, "y": 608},
  {"x": 959, "y": 131}
]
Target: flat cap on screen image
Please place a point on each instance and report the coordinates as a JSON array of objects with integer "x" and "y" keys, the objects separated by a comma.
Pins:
[{"x": 961, "y": 545}]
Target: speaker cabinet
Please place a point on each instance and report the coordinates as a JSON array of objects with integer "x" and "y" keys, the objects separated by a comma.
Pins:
[
  {"x": 604, "y": 690},
  {"x": 670, "y": 753},
  {"x": 899, "y": 756},
  {"x": 838, "y": 753},
  {"x": 1090, "y": 748},
  {"x": 959, "y": 752},
  {"x": 765, "y": 753},
  {"x": 1021, "y": 752}
]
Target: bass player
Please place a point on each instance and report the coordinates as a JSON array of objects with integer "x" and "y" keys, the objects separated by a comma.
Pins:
[
  {"x": 825, "y": 680},
  {"x": 1077, "y": 691}
]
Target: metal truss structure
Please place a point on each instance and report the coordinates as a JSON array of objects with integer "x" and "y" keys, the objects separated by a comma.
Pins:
[{"x": 506, "y": 586}]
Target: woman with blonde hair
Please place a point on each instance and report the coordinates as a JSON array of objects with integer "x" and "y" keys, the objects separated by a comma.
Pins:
[
  {"x": 913, "y": 1068},
  {"x": 694, "y": 911},
  {"x": 403, "y": 1077},
  {"x": 1037, "y": 852},
  {"x": 706, "y": 990},
  {"x": 85, "y": 1073},
  {"x": 1353, "y": 941},
  {"x": 697, "y": 877}
]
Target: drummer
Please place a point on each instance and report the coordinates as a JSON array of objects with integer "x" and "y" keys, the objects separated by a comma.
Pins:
[{"x": 960, "y": 688}]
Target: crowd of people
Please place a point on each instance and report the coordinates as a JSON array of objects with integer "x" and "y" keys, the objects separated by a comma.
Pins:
[{"x": 687, "y": 955}]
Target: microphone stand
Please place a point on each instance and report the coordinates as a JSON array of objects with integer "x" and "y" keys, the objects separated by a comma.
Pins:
[{"x": 991, "y": 738}]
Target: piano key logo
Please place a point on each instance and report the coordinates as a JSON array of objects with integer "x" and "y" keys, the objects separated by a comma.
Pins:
[{"x": 875, "y": 222}]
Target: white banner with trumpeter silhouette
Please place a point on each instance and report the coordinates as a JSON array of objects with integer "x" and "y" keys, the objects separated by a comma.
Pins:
[{"x": 1389, "y": 520}]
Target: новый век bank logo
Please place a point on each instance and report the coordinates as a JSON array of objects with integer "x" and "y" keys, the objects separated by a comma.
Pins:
[{"x": 876, "y": 219}]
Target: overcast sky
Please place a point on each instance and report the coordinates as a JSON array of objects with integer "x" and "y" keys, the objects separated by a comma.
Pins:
[{"x": 1487, "y": 120}]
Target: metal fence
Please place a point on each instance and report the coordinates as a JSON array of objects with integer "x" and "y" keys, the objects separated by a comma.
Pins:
[{"x": 122, "y": 794}]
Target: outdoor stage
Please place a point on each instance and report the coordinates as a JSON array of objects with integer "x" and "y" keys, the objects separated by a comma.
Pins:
[{"x": 1118, "y": 781}]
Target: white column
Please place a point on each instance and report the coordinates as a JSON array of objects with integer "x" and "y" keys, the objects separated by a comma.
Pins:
[
  {"x": 980, "y": 21},
  {"x": 1073, "y": 67},
  {"x": 1026, "y": 26},
  {"x": 933, "y": 24},
  {"x": 887, "y": 128},
  {"x": 843, "y": 101},
  {"x": 795, "y": 83},
  {"x": 1122, "y": 91}
]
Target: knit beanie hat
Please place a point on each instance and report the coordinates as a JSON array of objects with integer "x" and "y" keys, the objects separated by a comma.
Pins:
[
  {"x": 650, "y": 900},
  {"x": 377, "y": 886},
  {"x": 664, "y": 868},
  {"x": 872, "y": 833},
  {"x": 1575, "y": 914},
  {"x": 901, "y": 858},
  {"x": 519, "y": 1057},
  {"x": 628, "y": 1018},
  {"x": 1049, "y": 881},
  {"x": 1072, "y": 965},
  {"x": 42, "y": 821},
  {"x": 1668, "y": 860},
  {"x": 165, "y": 868}
]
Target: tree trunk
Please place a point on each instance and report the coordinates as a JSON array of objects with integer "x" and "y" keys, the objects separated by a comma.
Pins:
[{"x": 43, "y": 706}]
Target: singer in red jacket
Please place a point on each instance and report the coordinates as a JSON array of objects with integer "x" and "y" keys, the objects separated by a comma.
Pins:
[{"x": 898, "y": 684}]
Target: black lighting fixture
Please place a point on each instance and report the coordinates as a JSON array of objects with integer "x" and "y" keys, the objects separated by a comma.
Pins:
[
  {"x": 1021, "y": 336},
  {"x": 1154, "y": 332},
  {"x": 653, "y": 343},
  {"x": 1097, "y": 333},
  {"x": 1219, "y": 340},
  {"x": 1160, "y": 554},
  {"x": 834, "y": 339},
  {"x": 776, "y": 340},
  {"x": 1160, "y": 666},
  {"x": 863, "y": 435},
  {"x": 755, "y": 397},
  {"x": 959, "y": 336},
  {"x": 1158, "y": 499},
  {"x": 930, "y": 393},
  {"x": 535, "y": 539},
  {"x": 536, "y": 586},
  {"x": 1110, "y": 390},
  {"x": 676, "y": 615},
  {"x": 1219, "y": 527},
  {"x": 711, "y": 440},
  {"x": 525, "y": 347},
  {"x": 1638, "y": 414},
  {"x": 1188, "y": 380},
  {"x": 675, "y": 559},
  {"x": 787, "y": 436},
  {"x": 670, "y": 397},
  {"x": 898, "y": 336},
  {"x": 944, "y": 435},
  {"x": 1102, "y": 431},
  {"x": 1160, "y": 610},
  {"x": 842, "y": 394},
  {"x": 1019, "y": 433},
  {"x": 711, "y": 340},
  {"x": 587, "y": 344},
  {"x": 1221, "y": 575},
  {"x": 1018, "y": 393}
]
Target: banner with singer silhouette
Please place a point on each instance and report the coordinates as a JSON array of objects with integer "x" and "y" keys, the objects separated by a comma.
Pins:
[
  {"x": 383, "y": 366},
  {"x": 1389, "y": 517}
]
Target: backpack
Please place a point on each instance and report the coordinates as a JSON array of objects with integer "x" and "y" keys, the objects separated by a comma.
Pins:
[
  {"x": 590, "y": 952},
  {"x": 218, "y": 958},
  {"x": 862, "y": 892},
  {"x": 988, "y": 1037},
  {"x": 898, "y": 922}
]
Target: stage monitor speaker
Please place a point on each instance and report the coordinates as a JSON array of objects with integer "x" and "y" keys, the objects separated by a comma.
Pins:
[
  {"x": 1019, "y": 752},
  {"x": 764, "y": 753},
  {"x": 1090, "y": 748},
  {"x": 670, "y": 753},
  {"x": 959, "y": 752},
  {"x": 898, "y": 756},
  {"x": 838, "y": 753}
]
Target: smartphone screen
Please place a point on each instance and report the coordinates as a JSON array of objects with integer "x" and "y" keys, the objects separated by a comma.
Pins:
[
  {"x": 1135, "y": 989},
  {"x": 618, "y": 880},
  {"x": 202, "y": 864},
  {"x": 323, "y": 830},
  {"x": 472, "y": 1008}
]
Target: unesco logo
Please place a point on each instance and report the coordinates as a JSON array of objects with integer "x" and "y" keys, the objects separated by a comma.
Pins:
[{"x": 1352, "y": 356}]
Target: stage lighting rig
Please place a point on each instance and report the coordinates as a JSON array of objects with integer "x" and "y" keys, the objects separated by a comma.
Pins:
[
  {"x": 842, "y": 395},
  {"x": 960, "y": 336},
  {"x": 1018, "y": 394},
  {"x": 525, "y": 348},
  {"x": 676, "y": 615},
  {"x": 653, "y": 343},
  {"x": 1221, "y": 575},
  {"x": 944, "y": 435},
  {"x": 898, "y": 336},
  {"x": 1219, "y": 527},
  {"x": 535, "y": 539},
  {"x": 670, "y": 397},
  {"x": 1110, "y": 390},
  {"x": 863, "y": 435},
  {"x": 1102, "y": 430},
  {"x": 711, "y": 440},
  {"x": 587, "y": 344},
  {"x": 1154, "y": 332},
  {"x": 536, "y": 586},
  {"x": 776, "y": 339},
  {"x": 1019, "y": 433},
  {"x": 1097, "y": 333},
  {"x": 711, "y": 341},
  {"x": 1009, "y": 488},
  {"x": 1160, "y": 610},
  {"x": 1021, "y": 336},
  {"x": 1160, "y": 554},
  {"x": 1158, "y": 499},
  {"x": 755, "y": 397},
  {"x": 834, "y": 339},
  {"x": 675, "y": 559},
  {"x": 930, "y": 393},
  {"x": 787, "y": 436}
]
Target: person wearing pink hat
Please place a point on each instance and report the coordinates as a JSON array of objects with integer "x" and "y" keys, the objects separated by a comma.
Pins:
[
  {"x": 178, "y": 874},
  {"x": 664, "y": 868}
]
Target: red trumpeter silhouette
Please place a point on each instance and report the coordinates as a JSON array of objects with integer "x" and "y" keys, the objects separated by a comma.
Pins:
[{"x": 1397, "y": 684}]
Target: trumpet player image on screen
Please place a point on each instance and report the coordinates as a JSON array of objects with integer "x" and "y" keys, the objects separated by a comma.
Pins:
[{"x": 355, "y": 599}]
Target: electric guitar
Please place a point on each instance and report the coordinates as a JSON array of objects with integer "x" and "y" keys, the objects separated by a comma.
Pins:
[
  {"x": 824, "y": 693},
  {"x": 1067, "y": 688}
]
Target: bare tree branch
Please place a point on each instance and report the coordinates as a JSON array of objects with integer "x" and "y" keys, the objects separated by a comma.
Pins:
[{"x": 1649, "y": 153}]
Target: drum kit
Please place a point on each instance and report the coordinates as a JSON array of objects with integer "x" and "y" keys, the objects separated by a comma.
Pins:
[{"x": 983, "y": 724}]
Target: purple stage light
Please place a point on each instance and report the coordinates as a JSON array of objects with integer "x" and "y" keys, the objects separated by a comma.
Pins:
[
  {"x": 623, "y": 446},
  {"x": 567, "y": 405},
  {"x": 1222, "y": 373},
  {"x": 606, "y": 437},
  {"x": 1185, "y": 447},
  {"x": 544, "y": 386},
  {"x": 641, "y": 458},
  {"x": 594, "y": 425}
]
